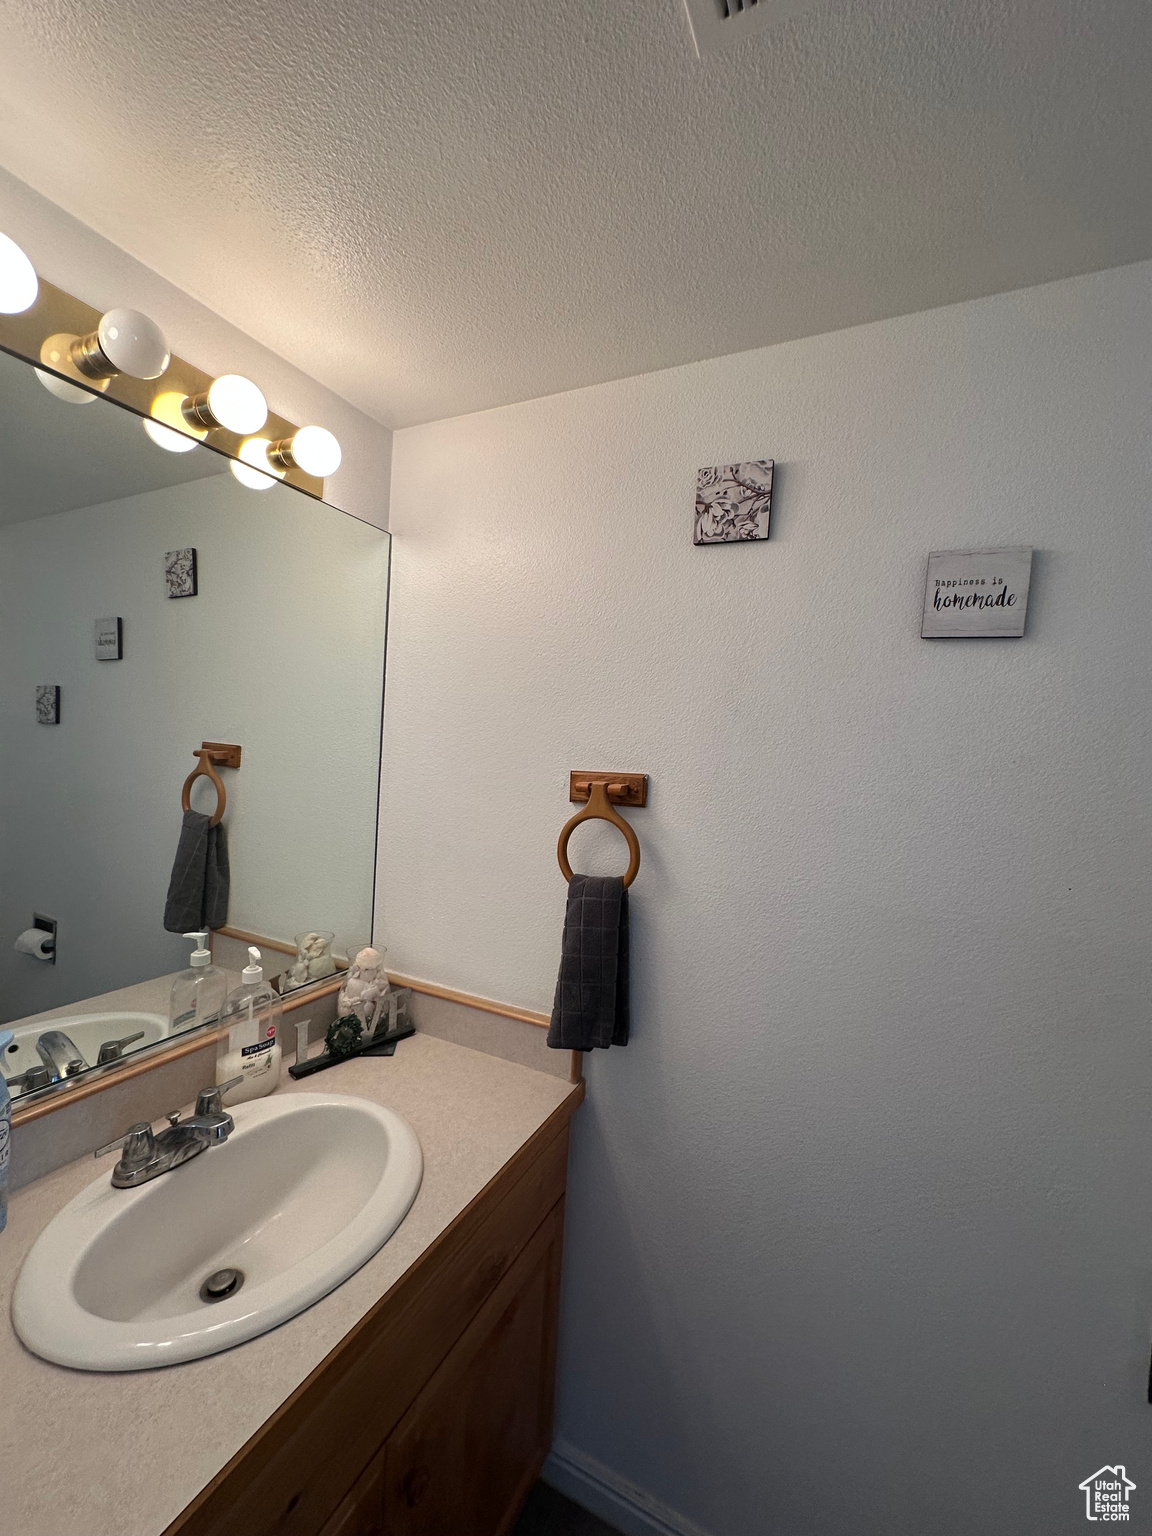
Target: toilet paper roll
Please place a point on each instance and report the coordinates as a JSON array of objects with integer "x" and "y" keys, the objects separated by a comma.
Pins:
[{"x": 37, "y": 942}]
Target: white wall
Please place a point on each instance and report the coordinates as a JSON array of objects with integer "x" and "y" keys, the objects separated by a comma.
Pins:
[
  {"x": 281, "y": 651},
  {"x": 76, "y": 258},
  {"x": 858, "y": 1231}
]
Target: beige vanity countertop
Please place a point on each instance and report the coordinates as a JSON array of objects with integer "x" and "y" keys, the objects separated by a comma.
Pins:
[{"x": 121, "y": 1454}]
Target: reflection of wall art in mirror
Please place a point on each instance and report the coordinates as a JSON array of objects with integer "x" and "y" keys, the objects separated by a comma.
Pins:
[
  {"x": 48, "y": 703},
  {"x": 733, "y": 502},
  {"x": 180, "y": 572},
  {"x": 109, "y": 639}
]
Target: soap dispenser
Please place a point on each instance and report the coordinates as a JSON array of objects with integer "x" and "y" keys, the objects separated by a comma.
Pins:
[
  {"x": 250, "y": 1050},
  {"x": 199, "y": 993}
]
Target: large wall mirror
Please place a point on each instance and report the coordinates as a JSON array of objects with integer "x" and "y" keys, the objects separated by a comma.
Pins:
[{"x": 122, "y": 654}]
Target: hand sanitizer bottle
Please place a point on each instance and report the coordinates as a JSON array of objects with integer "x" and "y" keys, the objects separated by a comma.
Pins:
[
  {"x": 251, "y": 1047},
  {"x": 198, "y": 994},
  {"x": 5, "y": 1132}
]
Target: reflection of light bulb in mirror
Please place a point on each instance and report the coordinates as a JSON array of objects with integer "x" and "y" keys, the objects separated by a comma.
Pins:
[
  {"x": 18, "y": 285},
  {"x": 167, "y": 411},
  {"x": 73, "y": 394},
  {"x": 254, "y": 470},
  {"x": 56, "y": 353},
  {"x": 125, "y": 341},
  {"x": 312, "y": 449},
  {"x": 230, "y": 401},
  {"x": 167, "y": 437}
]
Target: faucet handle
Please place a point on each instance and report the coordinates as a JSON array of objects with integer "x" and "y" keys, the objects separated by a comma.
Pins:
[
  {"x": 137, "y": 1146},
  {"x": 112, "y": 1050},
  {"x": 210, "y": 1101}
]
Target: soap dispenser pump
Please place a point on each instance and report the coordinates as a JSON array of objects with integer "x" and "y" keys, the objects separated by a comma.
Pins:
[
  {"x": 250, "y": 1050},
  {"x": 198, "y": 993}
]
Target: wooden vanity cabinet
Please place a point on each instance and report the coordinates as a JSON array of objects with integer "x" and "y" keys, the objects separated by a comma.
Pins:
[{"x": 434, "y": 1415}]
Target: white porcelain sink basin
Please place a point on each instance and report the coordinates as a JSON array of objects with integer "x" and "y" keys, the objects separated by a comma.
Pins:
[
  {"x": 87, "y": 1032},
  {"x": 303, "y": 1192}
]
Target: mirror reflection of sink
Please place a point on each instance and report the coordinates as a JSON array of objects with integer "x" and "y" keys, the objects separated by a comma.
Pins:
[
  {"x": 87, "y": 1031},
  {"x": 304, "y": 1191}
]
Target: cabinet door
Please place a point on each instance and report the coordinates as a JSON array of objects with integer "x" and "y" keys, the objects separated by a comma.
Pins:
[
  {"x": 361, "y": 1513},
  {"x": 462, "y": 1459}
]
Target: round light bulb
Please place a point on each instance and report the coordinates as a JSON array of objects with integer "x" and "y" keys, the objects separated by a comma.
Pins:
[
  {"x": 18, "y": 285},
  {"x": 168, "y": 439},
  {"x": 316, "y": 451},
  {"x": 253, "y": 468},
  {"x": 133, "y": 344},
  {"x": 71, "y": 393},
  {"x": 237, "y": 404}
]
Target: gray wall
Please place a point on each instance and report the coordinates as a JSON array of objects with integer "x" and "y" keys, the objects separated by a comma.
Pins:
[{"x": 858, "y": 1236}]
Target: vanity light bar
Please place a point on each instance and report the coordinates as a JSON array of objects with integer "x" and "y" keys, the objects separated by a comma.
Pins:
[{"x": 78, "y": 352}]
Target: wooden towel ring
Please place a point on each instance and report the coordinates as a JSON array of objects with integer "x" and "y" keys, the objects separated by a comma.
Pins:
[
  {"x": 599, "y": 808},
  {"x": 208, "y": 755}
]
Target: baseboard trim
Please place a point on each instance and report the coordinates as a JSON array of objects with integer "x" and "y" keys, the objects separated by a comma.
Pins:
[{"x": 609, "y": 1496}]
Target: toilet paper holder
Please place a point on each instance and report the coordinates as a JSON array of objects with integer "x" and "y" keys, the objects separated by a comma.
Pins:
[{"x": 31, "y": 942}]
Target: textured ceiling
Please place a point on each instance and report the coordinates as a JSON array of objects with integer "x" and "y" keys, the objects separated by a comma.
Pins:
[{"x": 438, "y": 208}]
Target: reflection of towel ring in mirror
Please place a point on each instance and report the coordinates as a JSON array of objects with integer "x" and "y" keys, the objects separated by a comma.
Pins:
[
  {"x": 599, "y": 808},
  {"x": 205, "y": 770}
]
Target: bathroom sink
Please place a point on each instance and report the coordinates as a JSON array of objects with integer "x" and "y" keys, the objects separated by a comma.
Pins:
[
  {"x": 87, "y": 1032},
  {"x": 305, "y": 1190}
]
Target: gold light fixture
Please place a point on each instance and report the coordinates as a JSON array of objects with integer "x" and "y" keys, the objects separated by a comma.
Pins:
[
  {"x": 125, "y": 341},
  {"x": 312, "y": 449},
  {"x": 230, "y": 401},
  {"x": 77, "y": 353}
]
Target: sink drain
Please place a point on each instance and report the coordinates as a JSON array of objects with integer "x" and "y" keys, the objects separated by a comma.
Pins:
[{"x": 225, "y": 1282}]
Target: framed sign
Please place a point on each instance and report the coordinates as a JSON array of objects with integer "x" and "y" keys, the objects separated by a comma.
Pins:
[
  {"x": 109, "y": 639},
  {"x": 974, "y": 593}
]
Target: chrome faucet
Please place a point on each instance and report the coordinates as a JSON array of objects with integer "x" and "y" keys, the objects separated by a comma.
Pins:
[
  {"x": 144, "y": 1156},
  {"x": 59, "y": 1054}
]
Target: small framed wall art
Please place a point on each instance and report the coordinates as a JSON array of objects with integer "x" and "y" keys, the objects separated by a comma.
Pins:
[
  {"x": 733, "y": 502},
  {"x": 109, "y": 639},
  {"x": 48, "y": 703},
  {"x": 180, "y": 572},
  {"x": 975, "y": 594}
]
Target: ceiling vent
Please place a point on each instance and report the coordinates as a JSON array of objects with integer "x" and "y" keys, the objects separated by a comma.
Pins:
[{"x": 716, "y": 23}]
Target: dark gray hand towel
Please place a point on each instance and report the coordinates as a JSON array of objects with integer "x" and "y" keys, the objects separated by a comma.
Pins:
[
  {"x": 591, "y": 1007},
  {"x": 198, "y": 890}
]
